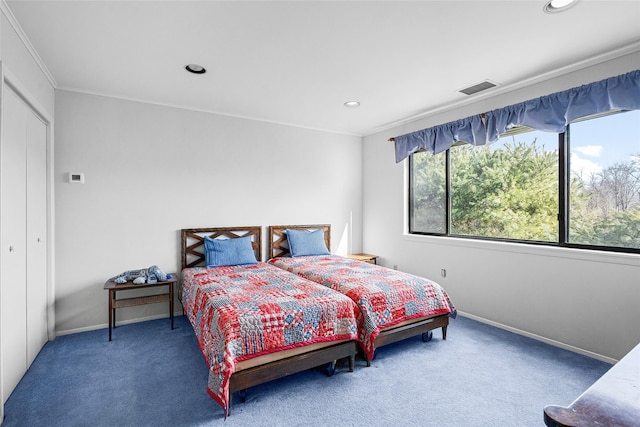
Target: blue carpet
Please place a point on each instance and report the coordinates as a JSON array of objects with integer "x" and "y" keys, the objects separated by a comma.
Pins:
[{"x": 150, "y": 375}]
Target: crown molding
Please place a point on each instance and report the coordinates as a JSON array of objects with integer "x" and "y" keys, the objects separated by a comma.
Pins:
[
  {"x": 204, "y": 110},
  {"x": 594, "y": 60},
  {"x": 6, "y": 11}
]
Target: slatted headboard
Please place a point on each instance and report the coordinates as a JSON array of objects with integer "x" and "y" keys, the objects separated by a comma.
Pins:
[
  {"x": 278, "y": 245},
  {"x": 193, "y": 242}
]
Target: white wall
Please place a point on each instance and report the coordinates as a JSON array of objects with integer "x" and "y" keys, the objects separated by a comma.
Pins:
[
  {"x": 583, "y": 300},
  {"x": 151, "y": 170}
]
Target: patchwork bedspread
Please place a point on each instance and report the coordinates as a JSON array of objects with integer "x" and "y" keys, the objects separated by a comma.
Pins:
[
  {"x": 242, "y": 312},
  {"x": 386, "y": 297}
]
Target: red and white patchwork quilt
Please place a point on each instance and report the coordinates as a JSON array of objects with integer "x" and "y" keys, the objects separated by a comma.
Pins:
[
  {"x": 386, "y": 297},
  {"x": 242, "y": 312}
]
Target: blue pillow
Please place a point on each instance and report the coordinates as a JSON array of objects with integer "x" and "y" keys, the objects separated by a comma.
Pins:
[
  {"x": 221, "y": 252},
  {"x": 306, "y": 242}
]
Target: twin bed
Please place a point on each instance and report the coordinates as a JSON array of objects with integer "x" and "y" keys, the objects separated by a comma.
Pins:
[
  {"x": 256, "y": 322},
  {"x": 393, "y": 305}
]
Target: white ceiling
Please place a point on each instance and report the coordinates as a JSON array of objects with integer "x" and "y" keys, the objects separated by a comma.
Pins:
[{"x": 297, "y": 62}]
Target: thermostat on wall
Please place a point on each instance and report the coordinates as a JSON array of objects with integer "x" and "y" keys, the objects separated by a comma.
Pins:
[{"x": 76, "y": 177}]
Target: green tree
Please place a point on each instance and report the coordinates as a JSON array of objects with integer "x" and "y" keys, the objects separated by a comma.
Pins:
[
  {"x": 429, "y": 192},
  {"x": 608, "y": 210},
  {"x": 509, "y": 192}
]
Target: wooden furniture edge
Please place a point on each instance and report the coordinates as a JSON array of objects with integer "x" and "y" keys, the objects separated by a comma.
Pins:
[
  {"x": 130, "y": 285},
  {"x": 613, "y": 400},
  {"x": 280, "y": 368},
  {"x": 418, "y": 327},
  {"x": 364, "y": 257}
]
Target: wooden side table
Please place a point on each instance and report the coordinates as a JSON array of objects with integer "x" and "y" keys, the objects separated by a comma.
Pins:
[
  {"x": 371, "y": 259},
  {"x": 115, "y": 303}
]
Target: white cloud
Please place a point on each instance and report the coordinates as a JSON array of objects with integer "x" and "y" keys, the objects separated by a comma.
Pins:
[
  {"x": 583, "y": 167},
  {"x": 589, "y": 150}
]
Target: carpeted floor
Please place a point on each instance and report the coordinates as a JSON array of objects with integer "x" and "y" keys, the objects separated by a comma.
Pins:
[{"x": 150, "y": 375}]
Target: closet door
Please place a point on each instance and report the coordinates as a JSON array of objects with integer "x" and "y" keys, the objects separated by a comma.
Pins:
[
  {"x": 13, "y": 223},
  {"x": 36, "y": 145}
]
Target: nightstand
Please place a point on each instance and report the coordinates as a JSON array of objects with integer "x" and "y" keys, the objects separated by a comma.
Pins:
[
  {"x": 371, "y": 259},
  {"x": 114, "y": 302}
]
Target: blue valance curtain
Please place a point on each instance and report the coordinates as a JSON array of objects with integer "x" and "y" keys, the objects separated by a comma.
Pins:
[
  {"x": 439, "y": 138},
  {"x": 553, "y": 112},
  {"x": 548, "y": 113}
]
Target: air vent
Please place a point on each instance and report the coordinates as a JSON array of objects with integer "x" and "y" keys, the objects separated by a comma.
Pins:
[{"x": 478, "y": 87}]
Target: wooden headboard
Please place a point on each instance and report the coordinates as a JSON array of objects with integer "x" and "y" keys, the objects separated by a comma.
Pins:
[
  {"x": 193, "y": 242},
  {"x": 278, "y": 245}
]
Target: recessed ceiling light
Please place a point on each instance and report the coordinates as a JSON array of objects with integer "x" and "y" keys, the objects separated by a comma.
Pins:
[
  {"x": 195, "y": 69},
  {"x": 352, "y": 104},
  {"x": 555, "y": 6}
]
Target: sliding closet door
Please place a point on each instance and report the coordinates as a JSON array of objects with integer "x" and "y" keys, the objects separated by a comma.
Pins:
[
  {"x": 36, "y": 144},
  {"x": 13, "y": 224}
]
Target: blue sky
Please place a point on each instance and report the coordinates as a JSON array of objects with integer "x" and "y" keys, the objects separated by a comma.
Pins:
[{"x": 599, "y": 143}]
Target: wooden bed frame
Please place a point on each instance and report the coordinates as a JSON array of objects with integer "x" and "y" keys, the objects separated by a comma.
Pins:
[
  {"x": 276, "y": 365},
  {"x": 278, "y": 247}
]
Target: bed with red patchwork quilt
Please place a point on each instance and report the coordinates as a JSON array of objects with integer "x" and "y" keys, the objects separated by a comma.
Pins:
[
  {"x": 257, "y": 322},
  {"x": 393, "y": 305}
]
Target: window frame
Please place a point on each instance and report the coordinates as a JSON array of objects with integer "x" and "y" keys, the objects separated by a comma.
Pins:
[{"x": 564, "y": 182}]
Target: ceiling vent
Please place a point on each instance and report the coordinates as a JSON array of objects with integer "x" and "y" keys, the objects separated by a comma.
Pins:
[{"x": 478, "y": 87}]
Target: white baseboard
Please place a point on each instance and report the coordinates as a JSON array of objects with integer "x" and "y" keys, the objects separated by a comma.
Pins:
[
  {"x": 119, "y": 323},
  {"x": 540, "y": 338}
]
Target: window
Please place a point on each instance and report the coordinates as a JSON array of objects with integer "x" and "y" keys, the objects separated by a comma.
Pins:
[
  {"x": 507, "y": 189},
  {"x": 604, "y": 164},
  {"x": 428, "y": 193},
  {"x": 515, "y": 189}
]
